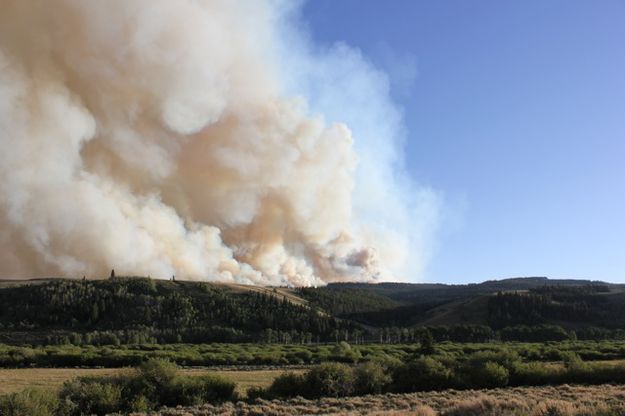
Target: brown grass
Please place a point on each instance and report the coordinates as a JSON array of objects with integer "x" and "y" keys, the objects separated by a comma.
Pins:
[
  {"x": 13, "y": 380},
  {"x": 278, "y": 292}
]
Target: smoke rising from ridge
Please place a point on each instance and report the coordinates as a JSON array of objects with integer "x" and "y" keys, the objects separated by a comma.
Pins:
[{"x": 166, "y": 137}]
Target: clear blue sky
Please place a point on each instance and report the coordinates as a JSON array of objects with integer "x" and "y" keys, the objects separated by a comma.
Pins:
[{"x": 516, "y": 114}]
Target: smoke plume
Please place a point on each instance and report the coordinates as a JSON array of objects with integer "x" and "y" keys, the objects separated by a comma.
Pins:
[{"x": 184, "y": 137}]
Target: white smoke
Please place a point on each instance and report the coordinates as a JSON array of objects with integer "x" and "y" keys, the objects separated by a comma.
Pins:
[{"x": 165, "y": 137}]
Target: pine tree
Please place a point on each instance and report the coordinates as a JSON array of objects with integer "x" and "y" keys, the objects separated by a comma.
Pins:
[{"x": 427, "y": 343}]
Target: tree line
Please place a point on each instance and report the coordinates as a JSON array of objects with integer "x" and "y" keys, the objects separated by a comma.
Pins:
[
  {"x": 144, "y": 311},
  {"x": 129, "y": 310}
]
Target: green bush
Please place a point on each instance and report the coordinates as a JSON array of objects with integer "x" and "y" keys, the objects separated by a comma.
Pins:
[
  {"x": 345, "y": 353},
  {"x": 254, "y": 393},
  {"x": 595, "y": 373},
  {"x": 370, "y": 378},
  {"x": 487, "y": 374},
  {"x": 503, "y": 357},
  {"x": 155, "y": 380},
  {"x": 331, "y": 379},
  {"x": 288, "y": 384},
  {"x": 495, "y": 375},
  {"x": 156, "y": 383},
  {"x": 534, "y": 374},
  {"x": 571, "y": 359},
  {"x": 158, "y": 372},
  {"x": 422, "y": 374},
  {"x": 304, "y": 355},
  {"x": 188, "y": 391},
  {"x": 90, "y": 395},
  {"x": 140, "y": 403},
  {"x": 30, "y": 403}
]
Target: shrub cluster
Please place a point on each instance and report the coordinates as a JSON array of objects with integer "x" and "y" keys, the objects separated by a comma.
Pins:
[
  {"x": 155, "y": 383},
  {"x": 30, "y": 402},
  {"x": 478, "y": 371},
  {"x": 329, "y": 380},
  {"x": 289, "y": 354}
]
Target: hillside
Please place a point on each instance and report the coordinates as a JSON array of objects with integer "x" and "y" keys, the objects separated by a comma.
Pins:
[
  {"x": 130, "y": 310},
  {"x": 135, "y": 310},
  {"x": 589, "y": 307}
]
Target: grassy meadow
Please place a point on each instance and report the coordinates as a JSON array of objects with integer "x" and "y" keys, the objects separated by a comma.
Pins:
[
  {"x": 15, "y": 380},
  {"x": 440, "y": 379}
]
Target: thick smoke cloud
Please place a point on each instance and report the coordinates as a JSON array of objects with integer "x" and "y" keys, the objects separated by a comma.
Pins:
[{"x": 166, "y": 137}]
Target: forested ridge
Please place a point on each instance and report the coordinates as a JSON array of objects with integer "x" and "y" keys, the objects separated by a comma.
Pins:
[
  {"x": 148, "y": 310},
  {"x": 134, "y": 310}
]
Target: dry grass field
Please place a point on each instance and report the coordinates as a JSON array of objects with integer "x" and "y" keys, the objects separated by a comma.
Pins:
[
  {"x": 565, "y": 400},
  {"x": 602, "y": 400},
  {"x": 13, "y": 380}
]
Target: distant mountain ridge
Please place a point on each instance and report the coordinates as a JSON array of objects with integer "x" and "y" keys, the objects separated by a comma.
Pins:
[
  {"x": 407, "y": 291},
  {"x": 459, "y": 304}
]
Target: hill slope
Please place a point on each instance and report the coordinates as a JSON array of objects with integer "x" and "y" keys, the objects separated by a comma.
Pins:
[
  {"x": 496, "y": 303},
  {"x": 151, "y": 310},
  {"x": 138, "y": 310}
]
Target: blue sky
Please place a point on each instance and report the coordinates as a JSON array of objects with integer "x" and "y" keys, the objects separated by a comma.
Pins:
[{"x": 515, "y": 112}]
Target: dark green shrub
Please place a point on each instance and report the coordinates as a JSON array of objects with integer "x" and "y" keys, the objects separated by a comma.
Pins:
[
  {"x": 331, "y": 379},
  {"x": 595, "y": 373},
  {"x": 495, "y": 375},
  {"x": 503, "y": 357},
  {"x": 371, "y": 378},
  {"x": 140, "y": 403},
  {"x": 158, "y": 372},
  {"x": 254, "y": 393},
  {"x": 188, "y": 391},
  {"x": 534, "y": 374},
  {"x": 155, "y": 381},
  {"x": 484, "y": 375},
  {"x": 427, "y": 343},
  {"x": 387, "y": 362},
  {"x": 304, "y": 355},
  {"x": 571, "y": 359},
  {"x": 287, "y": 385},
  {"x": 344, "y": 352},
  {"x": 90, "y": 395},
  {"x": 29, "y": 403},
  {"x": 422, "y": 374}
]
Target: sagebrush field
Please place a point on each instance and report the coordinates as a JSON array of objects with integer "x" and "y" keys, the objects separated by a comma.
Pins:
[{"x": 603, "y": 400}]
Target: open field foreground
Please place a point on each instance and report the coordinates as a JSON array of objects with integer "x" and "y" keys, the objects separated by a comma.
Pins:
[
  {"x": 565, "y": 400},
  {"x": 14, "y": 380}
]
